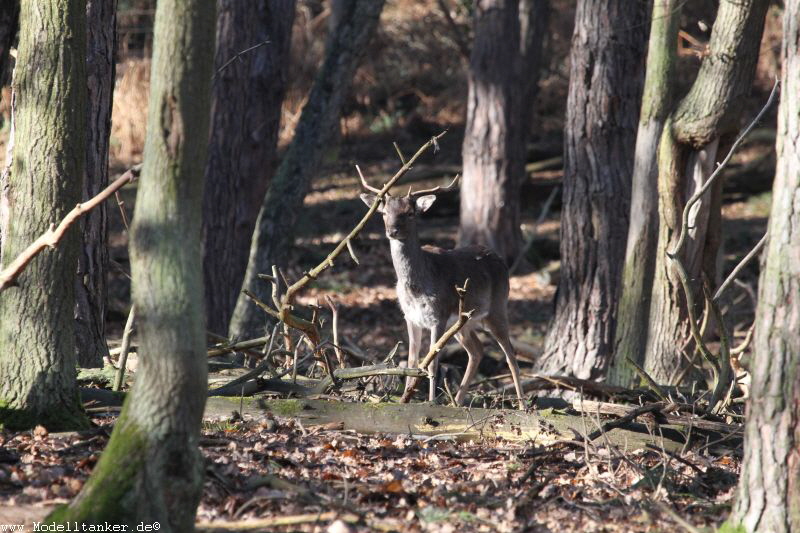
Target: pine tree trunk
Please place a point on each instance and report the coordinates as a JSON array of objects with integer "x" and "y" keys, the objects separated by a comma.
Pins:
[
  {"x": 688, "y": 150},
  {"x": 152, "y": 469},
  {"x": 91, "y": 293},
  {"x": 503, "y": 73},
  {"x": 768, "y": 497},
  {"x": 245, "y": 119},
  {"x": 605, "y": 89},
  {"x": 637, "y": 273},
  {"x": 316, "y": 129},
  {"x": 37, "y": 345}
]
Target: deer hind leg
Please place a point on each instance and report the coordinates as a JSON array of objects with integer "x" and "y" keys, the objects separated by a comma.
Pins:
[
  {"x": 414, "y": 344},
  {"x": 472, "y": 344},
  {"x": 498, "y": 327}
]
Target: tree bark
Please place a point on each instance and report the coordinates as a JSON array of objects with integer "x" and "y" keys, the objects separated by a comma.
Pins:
[
  {"x": 91, "y": 293},
  {"x": 768, "y": 497},
  {"x": 503, "y": 75},
  {"x": 152, "y": 469},
  {"x": 37, "y": 345},
  {"x": 316, "y": 129},
  {"x": 637, "y": 273},
  {"x": 605, "y": 89},
  {"x": 688, "y": 150},
  {"x": 245, "y": 116}
]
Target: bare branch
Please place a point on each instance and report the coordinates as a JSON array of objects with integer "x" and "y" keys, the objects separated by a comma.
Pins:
[
  {"x": 743, "y": 263},
  {"x": 124, "y": 349},
  {"x": 335, "y": 326},
  {"x": 52, "y": 236},
  {"x": 717, "y": 172}
]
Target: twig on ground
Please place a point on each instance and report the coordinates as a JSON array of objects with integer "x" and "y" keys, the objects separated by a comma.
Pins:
[{"x": 51, "y": 237}]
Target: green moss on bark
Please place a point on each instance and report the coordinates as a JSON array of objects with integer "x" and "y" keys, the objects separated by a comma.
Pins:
[{"x": 104, "y": 496}]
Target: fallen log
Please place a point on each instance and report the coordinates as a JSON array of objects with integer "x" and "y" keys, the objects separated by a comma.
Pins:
[
  {"x": 605, "y": 408},
  {"x": 425, "y": 421}
]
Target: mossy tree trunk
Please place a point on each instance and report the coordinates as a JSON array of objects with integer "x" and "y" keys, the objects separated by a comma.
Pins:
[
  {"x": 37, "y": 345},
  {"x": 605, "y": 89},
  {"x": 316, "y": 129},
  {"x": 768, "y": 497},
  {"x": 504, "y": 68},
  {"x": 245, "y": 118},
  {"x": 152, "y": 469},
  {"x": 687, "y": 154},
  {"x": 91, "y": 293},
  {"x": 637, "y": 272}
]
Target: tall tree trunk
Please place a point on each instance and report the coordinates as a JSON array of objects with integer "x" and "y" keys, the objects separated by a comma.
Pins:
[
  {"x": 37, "y": 345},
  {"x": 768, "y": 497},
  {"x": 688, "y": 150},
  {"x": 605, "y": 90},
  {"x": 503, "y": 74},
  {"x": 316, "y": 129},
  {"x": 91, "y": 293},
  {"x": 637, "y": 273},
  {"x": 245, "y": 119},
  {"x": 152, "y": 469}
]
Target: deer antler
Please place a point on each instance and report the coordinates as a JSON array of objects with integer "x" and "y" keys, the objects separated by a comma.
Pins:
[
  {"x": 364, "y": 182},
  {"x": 433, "y": 190}
]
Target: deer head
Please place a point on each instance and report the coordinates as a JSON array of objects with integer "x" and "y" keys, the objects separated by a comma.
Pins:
[{"x": 400, "y": 212}]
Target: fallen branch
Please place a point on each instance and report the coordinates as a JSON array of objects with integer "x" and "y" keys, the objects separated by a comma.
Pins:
[
  {"x": 625, "y": 411},
  {"x": 53, "y": 236},
  {"x": 382, "y": 369}
]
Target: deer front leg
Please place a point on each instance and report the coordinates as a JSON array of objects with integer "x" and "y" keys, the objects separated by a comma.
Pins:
[
  {"x": 433, "y": 367},
  {"x": 414, "y": 344}
]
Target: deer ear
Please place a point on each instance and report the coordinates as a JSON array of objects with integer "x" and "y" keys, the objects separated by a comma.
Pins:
[
  {"x": 425, "y": 202},
  {"x": 369, "y": 199}
]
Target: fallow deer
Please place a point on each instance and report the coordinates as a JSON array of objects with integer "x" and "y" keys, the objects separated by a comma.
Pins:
[{"x": 426, "y": 282}]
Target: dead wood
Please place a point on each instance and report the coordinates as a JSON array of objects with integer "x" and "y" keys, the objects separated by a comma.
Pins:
[
  {"x": 52, "y": 236},
  {"x": 545, "y": 426},
  {"x": 629, "y": 413}
]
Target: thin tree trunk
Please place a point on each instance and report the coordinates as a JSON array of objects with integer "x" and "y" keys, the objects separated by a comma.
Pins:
[
  {"x": 637, "y": 272},
  {"x": 152, "y": 469},
  {"x": 606, "y": 76},
  {"x": 688, "y": 150},
  {"x": 768, "y": 498},
  {"x": 245, "y": 119},
  {"x": 503, "y": 75},
  {"x": 37, "y": 345},
  {"x": 316, "y": 129},
  {"x": 91, "y": 293}
]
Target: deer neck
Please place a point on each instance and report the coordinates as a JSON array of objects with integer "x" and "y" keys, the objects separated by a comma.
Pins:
[{"x": 408, "y": 259}]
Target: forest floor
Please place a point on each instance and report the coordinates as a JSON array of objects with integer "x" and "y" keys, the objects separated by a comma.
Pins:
[{"x": 290, "y": 477}]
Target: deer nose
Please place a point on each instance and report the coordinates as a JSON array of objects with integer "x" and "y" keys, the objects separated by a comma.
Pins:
[{"x": 393, "y": 232}]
